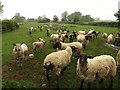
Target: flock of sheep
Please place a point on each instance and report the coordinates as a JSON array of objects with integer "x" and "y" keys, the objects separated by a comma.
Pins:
[{"x": 91, "y": 69}]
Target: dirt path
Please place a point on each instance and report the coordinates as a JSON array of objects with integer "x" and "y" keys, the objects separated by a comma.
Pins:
[{"x": 31, "y": 71}]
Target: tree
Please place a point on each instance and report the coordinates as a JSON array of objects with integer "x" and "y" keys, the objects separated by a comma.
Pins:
[
  {"x": 31, "y": 20},
  {"x": 117, "y": 15},
  {"x": 55, "y": 18},
  {"x": 19, "y": 18},
  {"x": 74, "y": 17},
  {"x": 1, "y": 8},
  {"x": 39, "y": 19},
  {"x": 64, "y": 16},
  {"x": 44, "y": 19}
]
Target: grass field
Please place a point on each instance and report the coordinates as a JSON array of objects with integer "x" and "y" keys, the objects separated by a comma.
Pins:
[{"x": 31, "y": 75}]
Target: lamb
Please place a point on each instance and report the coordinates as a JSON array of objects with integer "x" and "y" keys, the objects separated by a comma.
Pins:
[
  {"x": 57, "y": 62},
  {"x": 96, "y": 69},
  {"x": 118, "y": 58},
  {"x": 109, "y": 38},
  {"x": 20, "y": 53},
  {"x": 40, "y": 43},
  {"x": 76, "y": 46},
  {"x": 54, "y": 38}
]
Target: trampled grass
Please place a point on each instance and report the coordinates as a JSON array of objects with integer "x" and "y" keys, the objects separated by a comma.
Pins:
[{"x": 32, "y": 70}]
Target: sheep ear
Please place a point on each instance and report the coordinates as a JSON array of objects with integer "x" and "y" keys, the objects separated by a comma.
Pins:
[
  {"x": 14, "y": 44},
  {"x": 22, "y": 43},
  {"x": 90, "y": 57}
]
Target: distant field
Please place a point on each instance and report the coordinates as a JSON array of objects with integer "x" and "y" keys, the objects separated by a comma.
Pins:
[{"x": 32, "y": 70}]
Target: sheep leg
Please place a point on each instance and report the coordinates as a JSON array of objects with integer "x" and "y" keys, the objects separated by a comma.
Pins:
[
  {"x": 84, "y": 46},
  {"x": 89, "y": 84},
  {"x": 111, "y": 83},
  {"x": 47, "y": 74},
  {"x": 63, "y": 70},
  {"x": 100, "y": 82},
  {"x": 81, "y": 85},
  {"x": 57, "y": 84}
]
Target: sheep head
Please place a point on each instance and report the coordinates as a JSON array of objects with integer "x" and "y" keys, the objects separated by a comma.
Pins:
[{"x": 57, "y": 45}]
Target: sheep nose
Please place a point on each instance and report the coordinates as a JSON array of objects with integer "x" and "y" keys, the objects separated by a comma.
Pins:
[{"x": 18, "y": 49}]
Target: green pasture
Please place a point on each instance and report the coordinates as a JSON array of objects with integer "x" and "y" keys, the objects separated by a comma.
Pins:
[{"x": 33, "y": 69}]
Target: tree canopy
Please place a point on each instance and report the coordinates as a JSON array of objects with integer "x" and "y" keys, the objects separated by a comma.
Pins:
[{"x": 1, "y": 8}]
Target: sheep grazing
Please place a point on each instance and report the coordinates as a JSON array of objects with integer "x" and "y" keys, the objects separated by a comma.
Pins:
[
  {"x": 72, "y": 37},
  {"x": 20, "y": 53},
  {"x": 30, "y": 31},
  {"x": 118, "y": 58},
  {"x": 96, "y": 69},
  {"x": 93, "y": 34},
  {"x": 40, "y": 28},
  {"x": 41, "y": 40},
  {"x": 117, "y": 39},
  {"x": 54, "y": 38},
  {"x": 57, "y": 62},
  {"x": 76, "y": 46},
  {"x": 40, "y": 44},
  {"x": 48, "y": 32},
  {"x": 110, "y": 38}
]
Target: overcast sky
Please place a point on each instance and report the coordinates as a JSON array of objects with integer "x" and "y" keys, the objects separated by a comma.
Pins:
[{"x": 104, "y": 9}]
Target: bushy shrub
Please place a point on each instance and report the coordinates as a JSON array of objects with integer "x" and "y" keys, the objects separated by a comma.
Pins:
[
  {"x": 109, "y": 24},
  {"x": 9, "y": 25}
]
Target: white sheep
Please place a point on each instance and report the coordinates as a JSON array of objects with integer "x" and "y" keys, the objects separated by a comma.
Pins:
[
  {"x": 48, "y": 32},
  {"x": 81, "y": 32},
  {"x": 104, "y": 35},
  {"x": 57, "y": 62},
  {"x": 109, "y": 38},
  {"x": 39, "y": 44},
  {"x": 54, "y": 38},
  {"x": 76, "y": 46},
  {"x": 82, "y": 39},
  {"x": 93, "y": 34},
  {"x": 41, "y": 40},
  {"x": 96, "y": 69},
  {"x": 20, "y": 53},
  {"x": 118, "y": 58}
]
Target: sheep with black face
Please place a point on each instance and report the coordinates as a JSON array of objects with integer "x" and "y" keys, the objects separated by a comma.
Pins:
[{"x": 96, "y": 69}]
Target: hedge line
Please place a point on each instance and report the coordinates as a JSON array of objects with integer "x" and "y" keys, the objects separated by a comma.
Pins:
[
  {"x": 109, "y": 24},
  {"x": 9, "y": 25}
]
